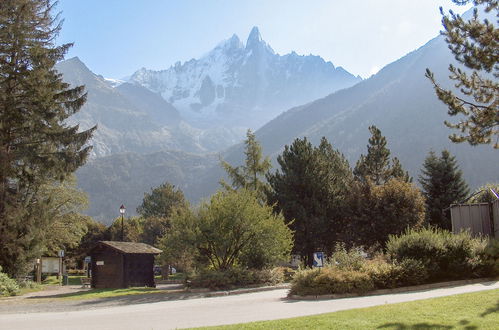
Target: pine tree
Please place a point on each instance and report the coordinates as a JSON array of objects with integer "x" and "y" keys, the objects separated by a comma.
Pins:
[
  {"x": 376, "y": 166},
  {"x": 36, "y": 143},
  {"x": 474, "y": 43},
  {"x": 442, "y": 185},
  {"x": 309, "y": 189},
  {"x": 251, "y": 175}
]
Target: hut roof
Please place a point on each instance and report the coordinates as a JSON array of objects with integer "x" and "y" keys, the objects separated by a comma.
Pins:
[{"x": 132, "y": 247}]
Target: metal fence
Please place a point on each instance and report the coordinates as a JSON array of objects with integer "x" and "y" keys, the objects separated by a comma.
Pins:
[{"x": 482, "y": 218}]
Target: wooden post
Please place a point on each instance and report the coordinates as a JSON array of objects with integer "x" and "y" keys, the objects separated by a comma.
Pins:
[{"x": 39, "y": 270}]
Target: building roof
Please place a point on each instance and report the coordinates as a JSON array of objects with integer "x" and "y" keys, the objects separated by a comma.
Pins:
[{"x": 132, "y": 247}]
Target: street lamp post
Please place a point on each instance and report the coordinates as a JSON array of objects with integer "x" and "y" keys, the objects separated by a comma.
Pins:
[{"x": 122, "y": 212}]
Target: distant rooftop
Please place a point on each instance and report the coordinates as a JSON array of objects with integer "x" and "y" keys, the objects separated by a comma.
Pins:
[{"x": 132, "y": 247}]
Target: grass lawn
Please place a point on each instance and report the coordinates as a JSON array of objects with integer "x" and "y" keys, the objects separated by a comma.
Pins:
[
  {"x": 479, "y": 310},
  {"x": 107, "y": 293}
]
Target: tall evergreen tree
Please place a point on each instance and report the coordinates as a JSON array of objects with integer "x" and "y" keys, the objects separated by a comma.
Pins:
[
  {"x": 474, "y": 44},
  {"x": 36, "y": 143},
  {"x": 251, "y": 175},
  {"x": 442, "y": 185},
  {"x": 376, "y": 165},
  {"x": 309, "y": 189}
]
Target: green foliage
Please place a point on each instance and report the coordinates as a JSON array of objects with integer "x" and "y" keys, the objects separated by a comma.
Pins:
[
  {"x": 64, "y": 203},
  {"x": 179, "y": 245},
  {"x": 162, "y": 201},
  {"x": 37, "y": 145},
  {"x": 484, "y": 194},
  {"x": 444, "y": 255},
  {"x": 474, "y": 44},
  {"x": 387, "y": 275},
  {"x": 8, "y": 286},
  {"x": 379, "y": 211},
  {"x": 132, "y": 229},
  {"x": 153, "y": 228},
  {"x": 236, "y": 277},
  {"x": 490, "y": 257},
  {"x": 375, "y": 166},
  {"x": 442, "y": 184},
  {"x": 95, "y": 232},
  {"x": 251, "y": 175},
  {"x": 232, "y": 229},
  {"x": 347, "y": 259},
  {"x": 330, "y": 280},
  {"x": 310, "y": 190}
]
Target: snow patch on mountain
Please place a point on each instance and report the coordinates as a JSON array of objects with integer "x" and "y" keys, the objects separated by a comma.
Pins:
[{"x": 243, "y": 84}]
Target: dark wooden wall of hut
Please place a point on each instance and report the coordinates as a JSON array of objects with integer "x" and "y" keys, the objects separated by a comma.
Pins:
[
  {"x": 139, "y": 270},
  {"x": 111, "y": 274}
]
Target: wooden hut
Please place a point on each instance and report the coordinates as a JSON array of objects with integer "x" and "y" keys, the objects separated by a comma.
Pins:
[{"x": 122, "y": 264}]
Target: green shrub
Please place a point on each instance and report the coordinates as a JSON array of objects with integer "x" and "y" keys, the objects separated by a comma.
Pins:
[
  {"x": 387, "y": 275},
  {"x": 490, "y": 257},
  {"x": 8, "y": 286},
  {"x": 236, "y": 277},
  {"x": 346, "y": 259},
  {"x": 27, "y": 284},
  {"x": 444, "y": 256},
  {"x": 330, "y": 280}
]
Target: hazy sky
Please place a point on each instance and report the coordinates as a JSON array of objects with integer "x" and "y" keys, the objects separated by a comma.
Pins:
[{"x": 117, "y": 37}]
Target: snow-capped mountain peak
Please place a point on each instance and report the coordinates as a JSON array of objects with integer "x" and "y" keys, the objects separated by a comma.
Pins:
[{"x": 243, "y": 85}]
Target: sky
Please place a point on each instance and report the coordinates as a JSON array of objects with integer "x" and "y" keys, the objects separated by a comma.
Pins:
[{"x": 115, "y": 38}]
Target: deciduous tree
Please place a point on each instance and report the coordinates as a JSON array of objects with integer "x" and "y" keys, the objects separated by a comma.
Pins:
[
  {"x": 162, "y": 201},
  {"x": 233, "y": 228}
]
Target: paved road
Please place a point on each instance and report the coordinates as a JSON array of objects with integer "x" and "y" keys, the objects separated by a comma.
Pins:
[{"x": 268, "y": 305}]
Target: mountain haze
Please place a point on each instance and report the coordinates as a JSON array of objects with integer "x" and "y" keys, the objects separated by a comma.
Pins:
[
  {"x": 239, "y": 84},
  {"x": 398, "y": 99},
  {"x": 131, "y": 118},
  {"x": 401, "y": 102}
]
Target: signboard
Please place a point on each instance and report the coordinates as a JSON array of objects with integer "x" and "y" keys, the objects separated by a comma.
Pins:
[
  {"x": 61, "y": 254},
  {"x": 100, "y": 263},
  {"x": 87, "y": 260},
  {"x": 318, "y": 259},
  {"x": 50, "y": 265}
]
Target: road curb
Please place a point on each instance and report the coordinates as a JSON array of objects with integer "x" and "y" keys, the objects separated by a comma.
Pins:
[
  {"x": 395, "y": 290},
  {"x": 206, "y": 293}
]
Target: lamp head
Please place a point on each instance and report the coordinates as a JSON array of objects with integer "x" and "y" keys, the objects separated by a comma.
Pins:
[{"x": 122, "y": 209}]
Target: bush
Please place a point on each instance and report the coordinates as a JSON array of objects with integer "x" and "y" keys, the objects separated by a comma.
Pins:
[
  {"x": 444, "y": 256},
  {"x": 386, "y": 275},
  {"x": 236, "y": 277},
  {"x": 490, "y": 257},
  {"x": 8, "y": 286},
  {"x": 330, "y": 280},
  {"x": 342, "y": 258}
]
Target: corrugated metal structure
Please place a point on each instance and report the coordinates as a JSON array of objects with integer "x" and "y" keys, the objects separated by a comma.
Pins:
[
  {"x": 495, "y": 216},
  {"x": 122, "y": 264},
  {"x": 478, "y": 218}
]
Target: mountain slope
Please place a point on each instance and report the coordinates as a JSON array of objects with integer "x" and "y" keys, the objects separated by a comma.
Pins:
[
  {"x": 131, "y": 118},
  {"x": 124, "y": 178},
  {"x": 238, "y": 83},
  {"x": 401, "y": 102}
]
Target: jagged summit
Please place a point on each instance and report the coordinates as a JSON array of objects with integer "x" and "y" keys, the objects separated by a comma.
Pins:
[
  {"x": 254, "y": 37},
  {"x": 243, "y": 85}
]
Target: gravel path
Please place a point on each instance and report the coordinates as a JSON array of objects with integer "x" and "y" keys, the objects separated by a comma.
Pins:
[{"x": 49, "y": 300}]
